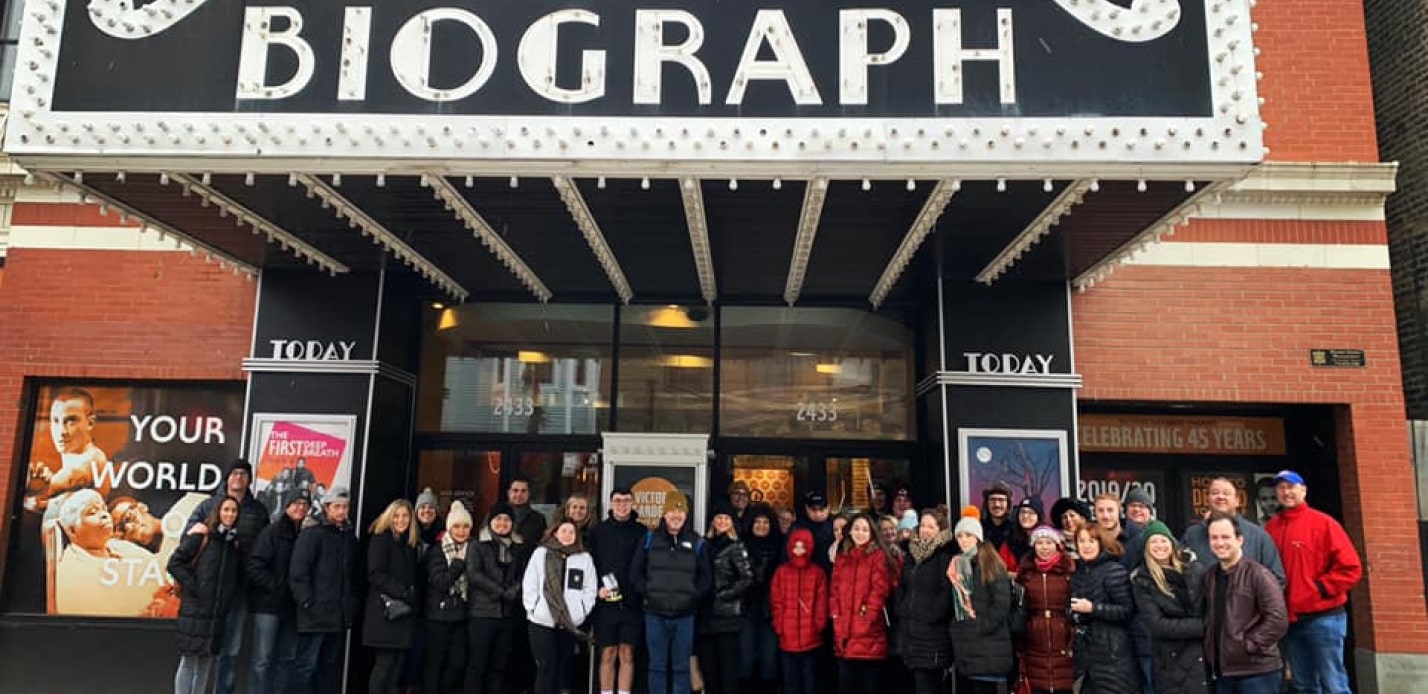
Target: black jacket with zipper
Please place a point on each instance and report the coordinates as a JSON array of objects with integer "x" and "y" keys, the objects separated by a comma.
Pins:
[
  {"x": 267, "y": 568},
  {"x": 207, "y": 569},
  {"x": 1103, "y": 643},
  {"x": 493, "y": 589},
  {"x": 443, "y": 602}
]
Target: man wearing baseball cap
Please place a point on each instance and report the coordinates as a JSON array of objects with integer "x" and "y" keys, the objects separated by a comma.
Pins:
[
  {"x": 816, "y": 520},
  {"x": 739, "y": 498},
  {"x": 1321, "y": 566}
]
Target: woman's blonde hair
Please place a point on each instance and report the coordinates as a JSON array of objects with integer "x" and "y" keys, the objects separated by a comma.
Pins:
[
  {"x": 563, "y": 513},
  {"x": 383, "y": 524},
  {"x": 733, "y": 527},
  {"x": 1157, "y": 572}
]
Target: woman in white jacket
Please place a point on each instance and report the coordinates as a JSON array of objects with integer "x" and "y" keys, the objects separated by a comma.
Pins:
[{"x": 558, "y": 590}]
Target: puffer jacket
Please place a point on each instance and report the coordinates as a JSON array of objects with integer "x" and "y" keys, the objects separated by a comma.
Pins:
[
  {"x": 925, "y": 604},
  {"x": 323, "y": 578},
  {"x": 733, "y": 577},
  {"x": 391, "y": 571},
  {"x": 862, "y": 584},
  {"x": 267, "y": 568},
  {"x": 1046, "y": 646},
  {"x": 672, "y": 572},
  {"x": 1177, "y": 625},
  {"x": 798, "y": 598},
  {"x": 494, "y": 587},
  {"x": 1103, "y": 643},
  {"x": 763, "y": 560},
  {"x": 207, "y": 569},
  {"x": 983, "y": 645},
  {"x": 443, "y": 602}
]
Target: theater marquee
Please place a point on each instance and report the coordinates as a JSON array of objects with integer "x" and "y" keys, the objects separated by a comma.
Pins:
[{"x": 908, "y": 82}]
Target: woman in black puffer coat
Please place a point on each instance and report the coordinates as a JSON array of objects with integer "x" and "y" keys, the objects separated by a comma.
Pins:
[
  {"x": 1170, "y": 601},
  {"x": 722, "y": 617},
  {"x": 925, "y": 603},
  {"x": 981, "y": 636},
  {"x": 1102, "y": 607},
  {"x": 206, "y": 567},
  {"x": 391, "y": 575}
]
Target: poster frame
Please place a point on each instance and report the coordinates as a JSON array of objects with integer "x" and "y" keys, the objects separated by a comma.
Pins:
[
  {"x": 658, "y": 450},
  {"x": 258, "y": 419},
  {"x": 964, "y": 455}
]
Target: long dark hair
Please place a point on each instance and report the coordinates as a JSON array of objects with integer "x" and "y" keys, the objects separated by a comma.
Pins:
[
  {"x": 575, "y": 547},
  {"x": 214, "y": 514}
]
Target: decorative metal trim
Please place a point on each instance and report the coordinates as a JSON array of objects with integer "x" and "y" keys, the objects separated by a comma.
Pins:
[
  {"x": 814, "y": 195},
  {"x": 921, "y": 227},
  {"x": 457, "y": 204},
  {"x": 1165, "y": 226},
  {"x": 362, "y": 367},
  {"x": 692, "y": 194},
  {"x": 1072, "y": 196},
  {"x": 580, "y": 212},
  {"x": 993, "y": 380}
]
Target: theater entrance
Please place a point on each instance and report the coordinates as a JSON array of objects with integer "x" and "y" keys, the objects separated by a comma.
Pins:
[{"x": 849, "y": 477}]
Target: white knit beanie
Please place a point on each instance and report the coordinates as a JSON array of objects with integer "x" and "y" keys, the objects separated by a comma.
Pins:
[{"x": 458, "y": 515}]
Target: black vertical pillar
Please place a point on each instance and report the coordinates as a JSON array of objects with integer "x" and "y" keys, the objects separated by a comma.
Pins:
[{"x": 1006, "y": 360}]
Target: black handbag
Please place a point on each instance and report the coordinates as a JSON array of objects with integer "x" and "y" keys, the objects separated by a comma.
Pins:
[{"x": 394, "y": 608}]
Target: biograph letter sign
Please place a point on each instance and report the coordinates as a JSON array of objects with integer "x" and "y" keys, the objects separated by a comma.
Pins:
[{"x": 916, "y": 80}]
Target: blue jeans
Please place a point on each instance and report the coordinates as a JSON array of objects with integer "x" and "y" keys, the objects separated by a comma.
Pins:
[
  {"x": 758, "y": 655},
  {"x": 671, "y": 643},
  {"x": 1147, "y": 671},
  {"x": 1314, "y": 648},
  {"x": 316, "y": 657},
  {"x": 274, "y": 651},
  {"x": 235, "y": 622},
  {"x": 1268, "y": 683},
  {"x": 192, "y": 674}
]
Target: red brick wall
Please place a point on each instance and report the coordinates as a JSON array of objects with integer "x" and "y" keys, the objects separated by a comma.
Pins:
[
  {"x": 112, "y": 314},
  {"x": 1316, "y": 86},
  {"x": 1212, "y": 335}
]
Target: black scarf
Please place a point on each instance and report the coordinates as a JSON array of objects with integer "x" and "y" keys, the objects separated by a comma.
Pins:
[{"x": 554, "y": 586}]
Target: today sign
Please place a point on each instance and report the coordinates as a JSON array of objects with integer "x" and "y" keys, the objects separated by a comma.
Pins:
[{"x": 1008, "y": 363}]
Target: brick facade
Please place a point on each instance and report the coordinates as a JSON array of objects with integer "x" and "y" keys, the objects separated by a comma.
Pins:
[
  {"x": 1231, "y": 335},
  {"x": 112, "y": 315},
  {"x": 1398, "y": 42}
]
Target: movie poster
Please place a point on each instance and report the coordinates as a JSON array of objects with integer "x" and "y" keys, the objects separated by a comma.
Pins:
[
  {"x": 1031, "y": 462},
  {"x": 112, "y": 473},
  {"x": 1200, "y": 492},
  {"x": 292, "y": 453},
  {"x": 651, "y": 484}
]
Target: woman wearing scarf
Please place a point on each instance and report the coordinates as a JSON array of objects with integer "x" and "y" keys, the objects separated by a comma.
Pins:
[
  {"x": 1101, "y": 608},
  {"x": 862, "y": 583},
  {"x": 1045, "y": 654},
  {"x": 558, "y": 591},
  {"x": 391, "y": 576},
  {"x": 493, "y": 601},
  {"x": 446, "y": 605},
  {"x": 759, "y": 658},
  {"x": 981, "y": 637},
  {"x": 925, "y": 604}
]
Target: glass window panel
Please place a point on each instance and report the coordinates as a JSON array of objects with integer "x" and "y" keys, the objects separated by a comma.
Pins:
[
  {"x": 516, "y": 368},
  {"x": 666, "y": 369},
  {"x": 864, "y": 483},
  {"x": 474, "y": 477},
  {"x": 555, "y": 475},
  {"x": 823, "y": 373},
  {"x": 772, "y": 479}
]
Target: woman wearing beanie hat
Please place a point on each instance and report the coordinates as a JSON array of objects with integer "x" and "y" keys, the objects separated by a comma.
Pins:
[
  {"x": 446, "y": 593},
  {"x": 493, "y": 600},
  {"x": 428, "y": 516},
  {"x": 1027, "y": 515},
  {"x": 1068, "y": 514},
  {"x": 1170, "y": 602},
  {"x": 981, "y": 635},
  {"x": 1102, "y": 607},
  {"x": 1045, "y": 654},
  {"x": 907, "y": 526}
]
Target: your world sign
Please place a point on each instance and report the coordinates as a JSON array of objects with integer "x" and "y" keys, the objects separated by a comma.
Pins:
[{"x": 791, "y": 58}]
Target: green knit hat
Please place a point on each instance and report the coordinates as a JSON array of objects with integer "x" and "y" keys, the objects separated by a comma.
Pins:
[{"x": 1158, "y": 528}]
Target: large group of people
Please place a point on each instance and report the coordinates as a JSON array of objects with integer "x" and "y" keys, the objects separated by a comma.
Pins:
[{"x": 1096, "y": 598}]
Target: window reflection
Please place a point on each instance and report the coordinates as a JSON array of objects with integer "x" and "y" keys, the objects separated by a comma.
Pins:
[
  {"x": 555, "y": 475},
  {"x": 517, "y": 368},
  {"x": 666, "y": 369},
  {"x": 814, "y": 373},
  {"x": 864, "y": 484},
  {"x": 474, "y": 477}
]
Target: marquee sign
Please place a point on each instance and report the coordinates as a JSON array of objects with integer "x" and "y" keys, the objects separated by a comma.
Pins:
[{"x": 931, "y": 81}]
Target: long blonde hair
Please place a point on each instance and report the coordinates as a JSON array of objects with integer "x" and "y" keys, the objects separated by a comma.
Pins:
[
  {"x": 383, "y": 524},
  {"x": 1157, "y": 572}
]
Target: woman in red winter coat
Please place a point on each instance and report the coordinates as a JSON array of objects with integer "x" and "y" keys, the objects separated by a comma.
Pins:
[
  {"x": 862, "y": 580},
  {"x": 1046, "y": 659}
]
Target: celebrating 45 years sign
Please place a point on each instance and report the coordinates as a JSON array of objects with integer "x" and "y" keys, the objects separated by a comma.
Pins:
[
  {"x": 927, "y": 80},
  {"x": 113, "y": 473}
]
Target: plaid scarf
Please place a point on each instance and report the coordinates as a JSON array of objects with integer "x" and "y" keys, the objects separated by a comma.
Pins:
[{"x": 449, "y": 548}]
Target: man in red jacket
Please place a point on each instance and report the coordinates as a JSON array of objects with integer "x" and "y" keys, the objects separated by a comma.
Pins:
[{"x": 1321, "y": 566}]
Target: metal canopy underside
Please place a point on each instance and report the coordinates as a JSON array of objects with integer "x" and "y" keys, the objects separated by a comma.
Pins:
[{"x": 751, "y": 226}]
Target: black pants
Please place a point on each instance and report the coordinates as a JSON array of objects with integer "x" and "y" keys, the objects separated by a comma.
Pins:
[
  {"x": 445, "y": 657},
  {"x": 386, "y": 665},
  {"x": 859, "y": 676},
  {"x": 977, "y": 686},
  {"x": 719, "y": 662},
  {"x": 927, "y": 681},
  {"x": 488, "y": 651},
  {"x": 552, "y": 649}
]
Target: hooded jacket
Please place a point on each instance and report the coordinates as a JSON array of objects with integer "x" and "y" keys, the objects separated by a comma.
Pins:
[
  {"x": 207, "y": 570},
  {"x": 862, "y": 586},
  {"x": 267, "y": 568},
  {"x": 493, "y": 589},
  {"x": 323, "y": 578},
  {"x": 1321, "y": 565},
  {"x": 798, "y": 597},
  {"x": 614, "y": 546}
]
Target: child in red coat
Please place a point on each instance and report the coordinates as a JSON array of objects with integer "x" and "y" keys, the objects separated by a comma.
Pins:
[{"x": 799, "y": 598}]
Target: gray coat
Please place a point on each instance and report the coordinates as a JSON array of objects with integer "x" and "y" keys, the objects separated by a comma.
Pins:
[{"x": 1258, "y": 546}]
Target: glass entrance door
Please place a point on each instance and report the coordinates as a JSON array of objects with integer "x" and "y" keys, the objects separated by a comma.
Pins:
[{"x": 848, "y": 482}]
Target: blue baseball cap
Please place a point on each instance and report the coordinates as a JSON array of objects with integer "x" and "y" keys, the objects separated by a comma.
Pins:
[{"x": 1289, "y": 476}]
